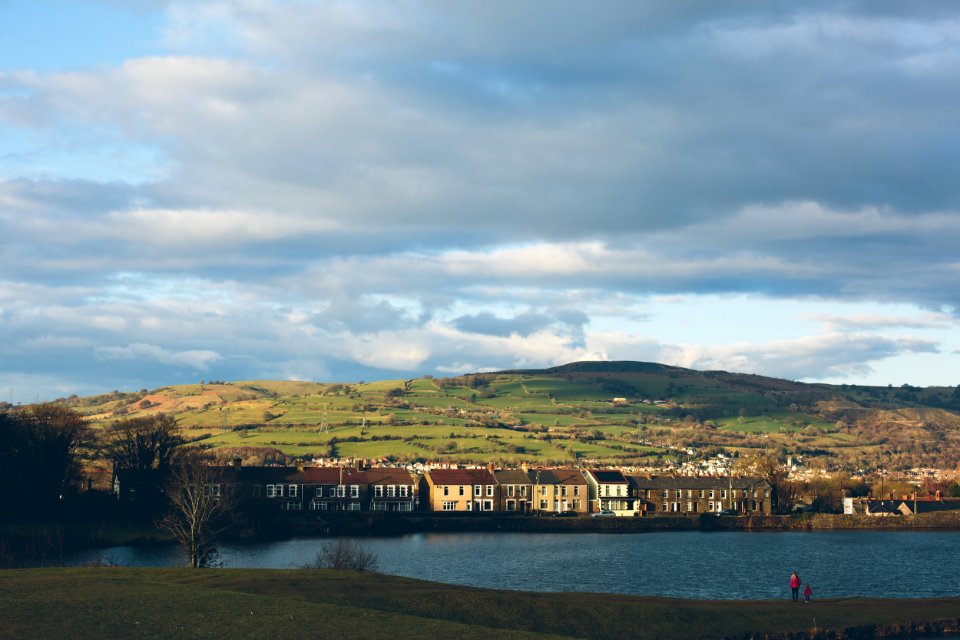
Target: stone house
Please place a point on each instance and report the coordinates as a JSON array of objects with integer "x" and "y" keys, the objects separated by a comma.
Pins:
[
  {"x": 695, "y": 494},
  {"x": 558, "y": 490}
]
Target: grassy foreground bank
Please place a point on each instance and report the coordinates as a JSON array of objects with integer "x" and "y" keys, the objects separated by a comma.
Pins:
[{"x": 249, "y": 603}]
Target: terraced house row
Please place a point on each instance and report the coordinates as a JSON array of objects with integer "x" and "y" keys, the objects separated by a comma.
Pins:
[{"x": 489, "y": 490}]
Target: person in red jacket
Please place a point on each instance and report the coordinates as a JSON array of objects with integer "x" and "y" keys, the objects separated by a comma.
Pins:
[
  {"x": 807, "y": 592},
  {"x": 795, "y": 586}
]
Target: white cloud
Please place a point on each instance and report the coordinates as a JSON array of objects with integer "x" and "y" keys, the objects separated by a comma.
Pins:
[{"x": 196, "y": 359}]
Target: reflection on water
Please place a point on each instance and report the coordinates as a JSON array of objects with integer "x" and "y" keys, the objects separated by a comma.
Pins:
[{"x": 688, "y": 564}]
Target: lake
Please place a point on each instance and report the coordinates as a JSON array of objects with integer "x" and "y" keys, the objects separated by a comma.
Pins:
[{"x": 685, "y": 564}]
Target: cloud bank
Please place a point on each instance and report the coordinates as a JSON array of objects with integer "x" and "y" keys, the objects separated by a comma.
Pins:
[{"x": 344, "y": 189}]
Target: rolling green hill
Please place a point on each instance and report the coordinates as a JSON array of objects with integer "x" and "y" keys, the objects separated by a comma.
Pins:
[{"x": 630, "y": 413}]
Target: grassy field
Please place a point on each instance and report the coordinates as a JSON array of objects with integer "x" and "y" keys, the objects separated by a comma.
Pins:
[
  {"x": 546, "y": 417},
  {"x": 113, "y": 603}
]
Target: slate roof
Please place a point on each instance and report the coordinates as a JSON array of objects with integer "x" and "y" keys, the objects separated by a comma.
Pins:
[
  {"x": 607, "y": 476},
  {"x": 511, "y": 476},
  {"x": 557, "y": 476},
  {"x": 461, "y": 476},
  {"x": 389, "y": 476}
]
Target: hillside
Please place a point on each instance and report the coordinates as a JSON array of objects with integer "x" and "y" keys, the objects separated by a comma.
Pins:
[{"x": 630, "y": 413}]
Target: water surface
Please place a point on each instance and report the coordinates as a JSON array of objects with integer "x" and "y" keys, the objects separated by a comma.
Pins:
[{"x": 686, "y": 564}]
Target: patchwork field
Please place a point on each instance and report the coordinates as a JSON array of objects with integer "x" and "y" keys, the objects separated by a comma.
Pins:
[{"x": 618, "y": 413}]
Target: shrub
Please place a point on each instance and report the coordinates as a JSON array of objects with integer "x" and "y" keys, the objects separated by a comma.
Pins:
[{"x": 345, "y": 554}]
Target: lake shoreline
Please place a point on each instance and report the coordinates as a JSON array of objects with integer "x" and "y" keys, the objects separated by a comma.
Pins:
[{"x": 389, "y": 524}]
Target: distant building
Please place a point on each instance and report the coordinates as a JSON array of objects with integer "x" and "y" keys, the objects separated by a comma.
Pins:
[
  {"x": 515, "y": 490},
  {"x": 558, "y": 490},
  {"x": 459, "y": 490},
  {"x": 609, "y": 491},
  {"x": 693, "y": 494}
]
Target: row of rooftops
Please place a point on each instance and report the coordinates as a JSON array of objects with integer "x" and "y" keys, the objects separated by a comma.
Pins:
[{"x": 477, "y": 476}]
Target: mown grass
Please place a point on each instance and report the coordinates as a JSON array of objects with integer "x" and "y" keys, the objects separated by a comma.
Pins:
[{"x": 248, "y": 603}]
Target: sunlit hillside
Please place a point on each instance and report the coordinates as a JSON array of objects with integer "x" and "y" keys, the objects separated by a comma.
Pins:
[{"x": 615, "y": 412}]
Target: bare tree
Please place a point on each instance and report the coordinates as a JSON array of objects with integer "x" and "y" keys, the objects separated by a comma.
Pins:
[
  {"x": 149, "y": 442},
  {"x": 146, "y": 448},
  {"x": 345, "y": 554},
  {"x": 201, "y": 508}
]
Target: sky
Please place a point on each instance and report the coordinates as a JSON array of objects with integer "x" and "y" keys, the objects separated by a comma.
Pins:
[{"x": 343, "y": 191}]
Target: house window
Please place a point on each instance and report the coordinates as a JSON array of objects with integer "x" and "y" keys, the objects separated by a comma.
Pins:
[
  {"x": 461, "y": 489},
  {"x": 318, "y": 505},
  {"x": 449, "y": 505},
  {"x": 353, "y": 506},
  {"x": 318, "y": 492},
  {"x": 689, "y": 506},
  {"x": 392, "y": 491},
  {"x": 523, "y": 491},
  {"x": 576, "y": 505},
  {"x": 679, "y": 494},
  {"x": 543, "y": 490},
  {"x": 510, "y": 490},
  {"x": 378, "y": 491},
  {"x": 666, "y": 494},
  {"x": 274, "y": 490},
  {"x": 664, "y": 507},
  {"x": 723, "y": 493},
  {"x": 477, "y": 490},
  {"x": 563, "y": 490},
  {"x": 488, "y": 505},
  {"x": 543, "y": 505},
  {"x": 403, "y": 490},
  {"x": 470, "y": 505},
  {"x": 576, "y": 491},
  {"x": 341, "y": 491},
  {"x": 489, "y": 490},
  {"x": 711, "y": 494},
  {"x": 355, "y": 491},
  {"x": 212, "y": 490},
  {"x": 710, "y": 506},
  {"x": 511, "y": 505},
  {"x": 291, "y": 505},
  {"x": 293, "y": 491},
  {"x": 689, "y": 493},
  {"x": 556, "y": 505},
  {"x": 446, "y": 491},
  {"x": 701, "y": 493},
  {"x": 606, "y": 490},
  {"x": 333, "y": 492}
]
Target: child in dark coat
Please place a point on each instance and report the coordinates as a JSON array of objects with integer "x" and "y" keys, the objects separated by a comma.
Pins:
[{"x": 807, "y": 592}]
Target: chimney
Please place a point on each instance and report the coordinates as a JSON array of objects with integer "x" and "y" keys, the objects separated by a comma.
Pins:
[{"x": 524, "y": 467}]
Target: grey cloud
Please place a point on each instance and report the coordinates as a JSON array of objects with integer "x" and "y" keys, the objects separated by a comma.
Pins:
[{"x": 487, "y": 323}]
